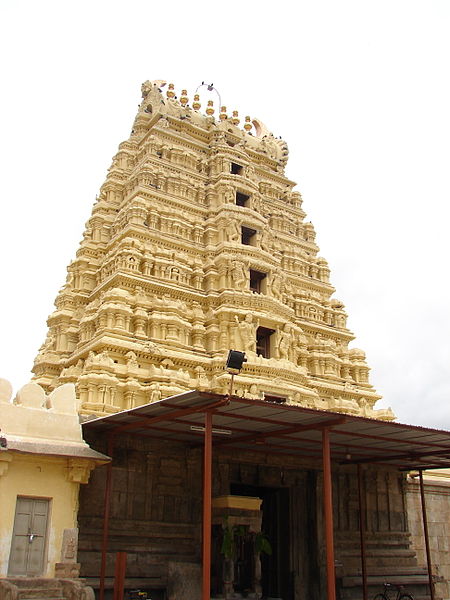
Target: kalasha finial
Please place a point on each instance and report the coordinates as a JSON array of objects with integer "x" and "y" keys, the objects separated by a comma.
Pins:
[
  {"x": 235, "y": 120},
  {"x": 196, "y": 104},
  {"x": 183, "y": 98},
  {"x": 223, "y": 113},
  {"x": 170, "y": 92},
  {"x": 210, "y": 109},
  {"x": 248, "y": 124}
]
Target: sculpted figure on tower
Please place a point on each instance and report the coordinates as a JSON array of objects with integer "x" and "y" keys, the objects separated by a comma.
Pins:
[{"x": 247, "y": 333}]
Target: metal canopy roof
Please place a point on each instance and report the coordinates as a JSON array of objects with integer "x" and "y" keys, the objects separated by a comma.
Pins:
[{"x": 259, "y": 425}]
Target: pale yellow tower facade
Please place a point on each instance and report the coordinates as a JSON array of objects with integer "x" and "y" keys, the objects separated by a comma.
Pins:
[{"x": 198, "y": 244}]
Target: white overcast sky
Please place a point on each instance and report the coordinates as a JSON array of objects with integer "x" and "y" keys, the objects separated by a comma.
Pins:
[{"x": 360, "y": 91}]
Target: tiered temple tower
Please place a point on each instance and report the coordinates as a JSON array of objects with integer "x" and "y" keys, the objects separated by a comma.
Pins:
[{"x": 197, "y": 244}]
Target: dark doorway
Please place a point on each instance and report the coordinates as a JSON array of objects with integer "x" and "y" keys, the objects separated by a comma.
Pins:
[
  {"x": 257, "y": 281},
  {"x": 248, "y": 236},
  {"x": 263, "y": 338},
  {"x": 242, "y": 199},
  {"x": 275, "y": 569}
]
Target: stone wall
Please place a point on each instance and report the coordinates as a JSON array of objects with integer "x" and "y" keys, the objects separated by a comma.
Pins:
[
  {"x": 157, "y": 515},
  {"x": 437, "y": 502},
  {"x": 155, "y": 511}
]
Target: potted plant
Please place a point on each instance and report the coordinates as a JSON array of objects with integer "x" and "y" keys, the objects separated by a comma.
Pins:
[{"x": 233, "y": 538}]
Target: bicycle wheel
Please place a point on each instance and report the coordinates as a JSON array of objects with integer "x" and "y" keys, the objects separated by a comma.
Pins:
[
  {"x": 406, "y": 597},
  {"x": 380, "y": 597}
]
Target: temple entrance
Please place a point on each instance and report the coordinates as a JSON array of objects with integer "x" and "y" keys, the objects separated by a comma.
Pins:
[{"x": 276, "y": 577}]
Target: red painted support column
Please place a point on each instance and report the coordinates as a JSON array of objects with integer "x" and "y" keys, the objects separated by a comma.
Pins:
[
  {"x": 361, "y": 533},
  {"x": 107, "y": 508},
  {"x": 207, "y": 508},
  {"x": 425, "y": 533},
  {"x": 328, "y": 514},
  {"x": 119, "y": 575}
]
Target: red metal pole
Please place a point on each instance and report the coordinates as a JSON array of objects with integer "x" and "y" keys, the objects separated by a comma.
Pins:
[
  {"x": 119, "y": 575},
  {"x": 361, "y": 533},
  {"x": 425, "y": 533},
  {"x": 207, "y": 508},
  {"x": 328, "y": 514},
  {"x": 106, "y": 512}
]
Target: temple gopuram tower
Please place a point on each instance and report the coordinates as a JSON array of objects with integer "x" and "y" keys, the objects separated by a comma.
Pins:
[{"x": 198, "y": 244}]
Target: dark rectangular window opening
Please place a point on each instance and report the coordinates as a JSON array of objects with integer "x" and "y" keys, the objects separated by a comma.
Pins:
[
  {"x": 242, "y": 199},
  {"x": 248, "y": 236},
  {"x": 263, "y": 335},
  {"x": 278, "y": 399},
  {"x": 236, "y": 169},
  {"x": 257, "y": 281}
]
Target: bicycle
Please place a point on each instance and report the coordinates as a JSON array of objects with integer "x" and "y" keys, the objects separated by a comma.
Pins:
[
  {"x": 401, "y": 594},
  {"x": 137, "y": 595}
]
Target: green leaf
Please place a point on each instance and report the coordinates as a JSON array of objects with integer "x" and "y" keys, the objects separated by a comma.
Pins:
[{"x": 262, "y": 544}]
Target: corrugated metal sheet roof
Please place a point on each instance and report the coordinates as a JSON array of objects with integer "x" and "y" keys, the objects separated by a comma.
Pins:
[{"x": 246, "y": 424}]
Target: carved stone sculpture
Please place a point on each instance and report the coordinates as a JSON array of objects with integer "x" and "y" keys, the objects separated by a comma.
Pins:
[{"x": 247, "y": 333}]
